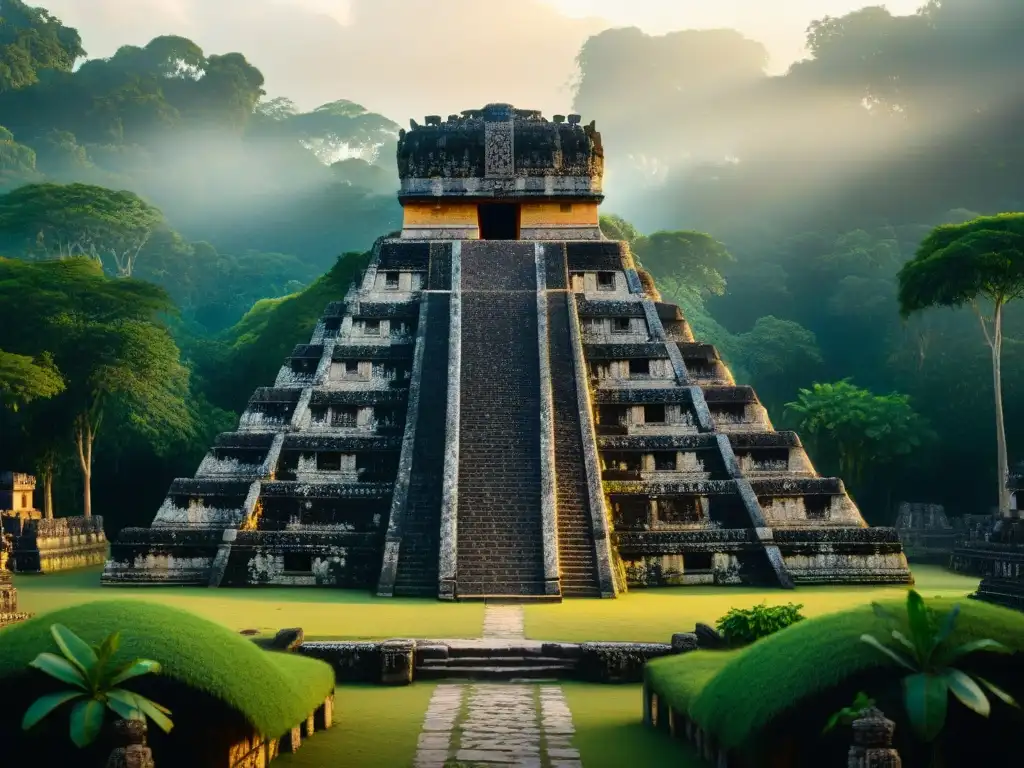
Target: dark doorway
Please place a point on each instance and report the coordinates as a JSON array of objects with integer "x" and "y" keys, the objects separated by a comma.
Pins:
[{"x": 499, "y": 221}]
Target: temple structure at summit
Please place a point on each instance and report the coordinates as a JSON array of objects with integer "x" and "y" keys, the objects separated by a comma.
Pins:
[{"x": 500, "y": 408}]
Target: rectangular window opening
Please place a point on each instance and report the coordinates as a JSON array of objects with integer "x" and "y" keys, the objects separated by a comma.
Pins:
[
  {"x": 654, "y": 414},
  {"x": 640, "y": 367},
  {"x": 371, "y": 327},
  {"x": 391, "y": 280},
  {"x": 565, "y": 207},
  {"x": 620, "y": 325},
  {"x": 298, "y": 561}
]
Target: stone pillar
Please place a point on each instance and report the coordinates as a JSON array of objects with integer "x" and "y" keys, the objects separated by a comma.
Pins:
[
  {"x": 872, "y": 742},
  {"x": 133, "y": 752},
  {"x": 397, "y": 660}
]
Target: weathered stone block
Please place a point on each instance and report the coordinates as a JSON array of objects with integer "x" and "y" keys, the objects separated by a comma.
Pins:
[
  {"x": 397, "y": 661},
  {"x": 682, "y": 642}
]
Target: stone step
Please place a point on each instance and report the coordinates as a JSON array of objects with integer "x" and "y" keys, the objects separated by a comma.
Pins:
[
  {"x": 495, "y": 660},
  {"x": 537, "y": 673}
]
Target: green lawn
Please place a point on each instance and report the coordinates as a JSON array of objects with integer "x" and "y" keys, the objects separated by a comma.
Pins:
[
  {"x": 322, "y": 613},
  {"x": 610, "y": 731},
  {"x": 374, "y": 727},
  {"x": 653, "y": 615},
  {"x": 640, "y": 615}
]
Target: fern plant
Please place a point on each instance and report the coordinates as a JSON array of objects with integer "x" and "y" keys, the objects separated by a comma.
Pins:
[
  {"x": 742, "y": 626},
  {"x": 95, "y": 686}
]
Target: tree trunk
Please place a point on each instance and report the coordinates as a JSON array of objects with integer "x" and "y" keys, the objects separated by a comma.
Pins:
[
  {"x": 1002, "y": 464},
  {"x": 84, "y": 437},
  {"x": 48, "y": 488}
]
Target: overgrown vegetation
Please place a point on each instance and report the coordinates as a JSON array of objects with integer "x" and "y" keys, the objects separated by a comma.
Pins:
[
  {"x": 742, "y": 626},
  {"x": 776, "y": 694}
]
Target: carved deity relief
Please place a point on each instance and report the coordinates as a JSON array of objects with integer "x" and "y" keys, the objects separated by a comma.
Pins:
[{"x": 499, "y": 161}]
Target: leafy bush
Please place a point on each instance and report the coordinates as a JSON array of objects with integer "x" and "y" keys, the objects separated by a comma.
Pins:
[{"x": 744, "y": 626}]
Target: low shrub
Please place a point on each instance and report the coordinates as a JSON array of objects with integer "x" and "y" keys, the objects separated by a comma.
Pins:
[{"x": 742, "y": 626}]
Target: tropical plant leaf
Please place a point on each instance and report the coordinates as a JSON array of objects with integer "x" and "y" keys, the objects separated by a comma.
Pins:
[
  {"x": 86, "y": 722},
  {"x": 883, "y": 613},
  {"x": 921, "y": 632},
  {"x": 44, "y": 705},
  {"x": 125, "y": 703},
  {"x": 156, "y": 713},
  {"x": 135, "y": 668},
  {"x": 967, "y": 691},
  {"x": 904, "y": 641},
  {"x": 874, "y": 641},
  {"x": 75, "y": 649},
  {"x": 925, "y": 697},
  {"x": 60, "y": 668},
  {"x": 999, "y": 692},
  {"x": 974, "y": 646},
  {"x": 948, "y": 623},
  {"x": 109, "y": 647}
]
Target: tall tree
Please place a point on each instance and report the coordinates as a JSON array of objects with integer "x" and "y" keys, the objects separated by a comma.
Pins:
[
  {"x": 24, "y": 379},
  {"x": 80, "y": 219},
  {"x": 857, "y": 429},
  {"x": 107, "y": 338},
  {"x": 693, "y": 258},
  {"x": 979, "y": 262}
]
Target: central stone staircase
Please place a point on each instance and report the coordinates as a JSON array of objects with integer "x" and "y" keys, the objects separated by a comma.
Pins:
[{"x": 500, "y": 541}]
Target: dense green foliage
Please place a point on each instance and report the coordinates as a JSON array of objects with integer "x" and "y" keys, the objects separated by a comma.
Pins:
[
  {"x": 822, "y": 182},
  {"x": 933, "y": 662},
  {"x": 273, "y": 691},
  {"x": 107, "y": 341},
  {"x": 95, "y": 686},
  {"x": 786, "y": 686},
  {"x": 742, "y": 626}
]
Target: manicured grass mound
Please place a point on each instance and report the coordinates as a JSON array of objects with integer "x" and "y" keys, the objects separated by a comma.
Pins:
[
  {"x": 757, "y": 686},
  {"x": 272, "y": 691}
]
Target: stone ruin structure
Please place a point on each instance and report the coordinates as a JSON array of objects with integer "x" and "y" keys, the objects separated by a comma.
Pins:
[
  {"x": 8, "y": 594},
  {"x": 500, "y": 408},
  {"x": 45, "y": 545},
  {"x": 998, "y": 555}
]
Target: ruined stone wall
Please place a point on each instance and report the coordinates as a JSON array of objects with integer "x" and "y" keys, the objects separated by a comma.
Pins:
[{"x": 57, "y": 544}]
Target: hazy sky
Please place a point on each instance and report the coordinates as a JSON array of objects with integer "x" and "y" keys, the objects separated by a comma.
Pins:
[{"x": 408, "y": 58}]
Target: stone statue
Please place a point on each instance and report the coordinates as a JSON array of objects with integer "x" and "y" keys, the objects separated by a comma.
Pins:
[
  {"x": 134, "y": 753},
  {"x": 872, "y": 742}
]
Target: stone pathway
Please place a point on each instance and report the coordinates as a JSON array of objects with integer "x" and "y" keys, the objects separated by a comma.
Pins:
[
  {"x": 480, "y": 725},
  {"x": 499, "y": 725},
  {"x": 503, "y": 622}
]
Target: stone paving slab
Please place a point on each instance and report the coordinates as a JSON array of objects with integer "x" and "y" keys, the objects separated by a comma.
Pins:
[
  {"x": 504, "y": 622},
  {"x": 497, "y": 726}
]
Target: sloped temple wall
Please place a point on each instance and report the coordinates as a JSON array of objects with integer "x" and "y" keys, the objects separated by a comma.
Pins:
[{"x": 495, "y": 418}]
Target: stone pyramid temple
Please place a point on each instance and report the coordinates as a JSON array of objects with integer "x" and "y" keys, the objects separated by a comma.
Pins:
[{"x": 500, "y": 408}]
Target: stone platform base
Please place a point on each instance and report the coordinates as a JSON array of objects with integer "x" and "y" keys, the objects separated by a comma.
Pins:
[
  {"x": 399, "y": 662},
  {"x": 58, "y": 544},
  {"x": 228, "y": 557},
  {"x": 1008, "y": 593}
]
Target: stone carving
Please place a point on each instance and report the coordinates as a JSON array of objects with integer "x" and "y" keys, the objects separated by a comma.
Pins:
[
  {"x": 498, "y": 142},
  {"x": 872, "y": 742},
  {"x": 133, "y": 751}
]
